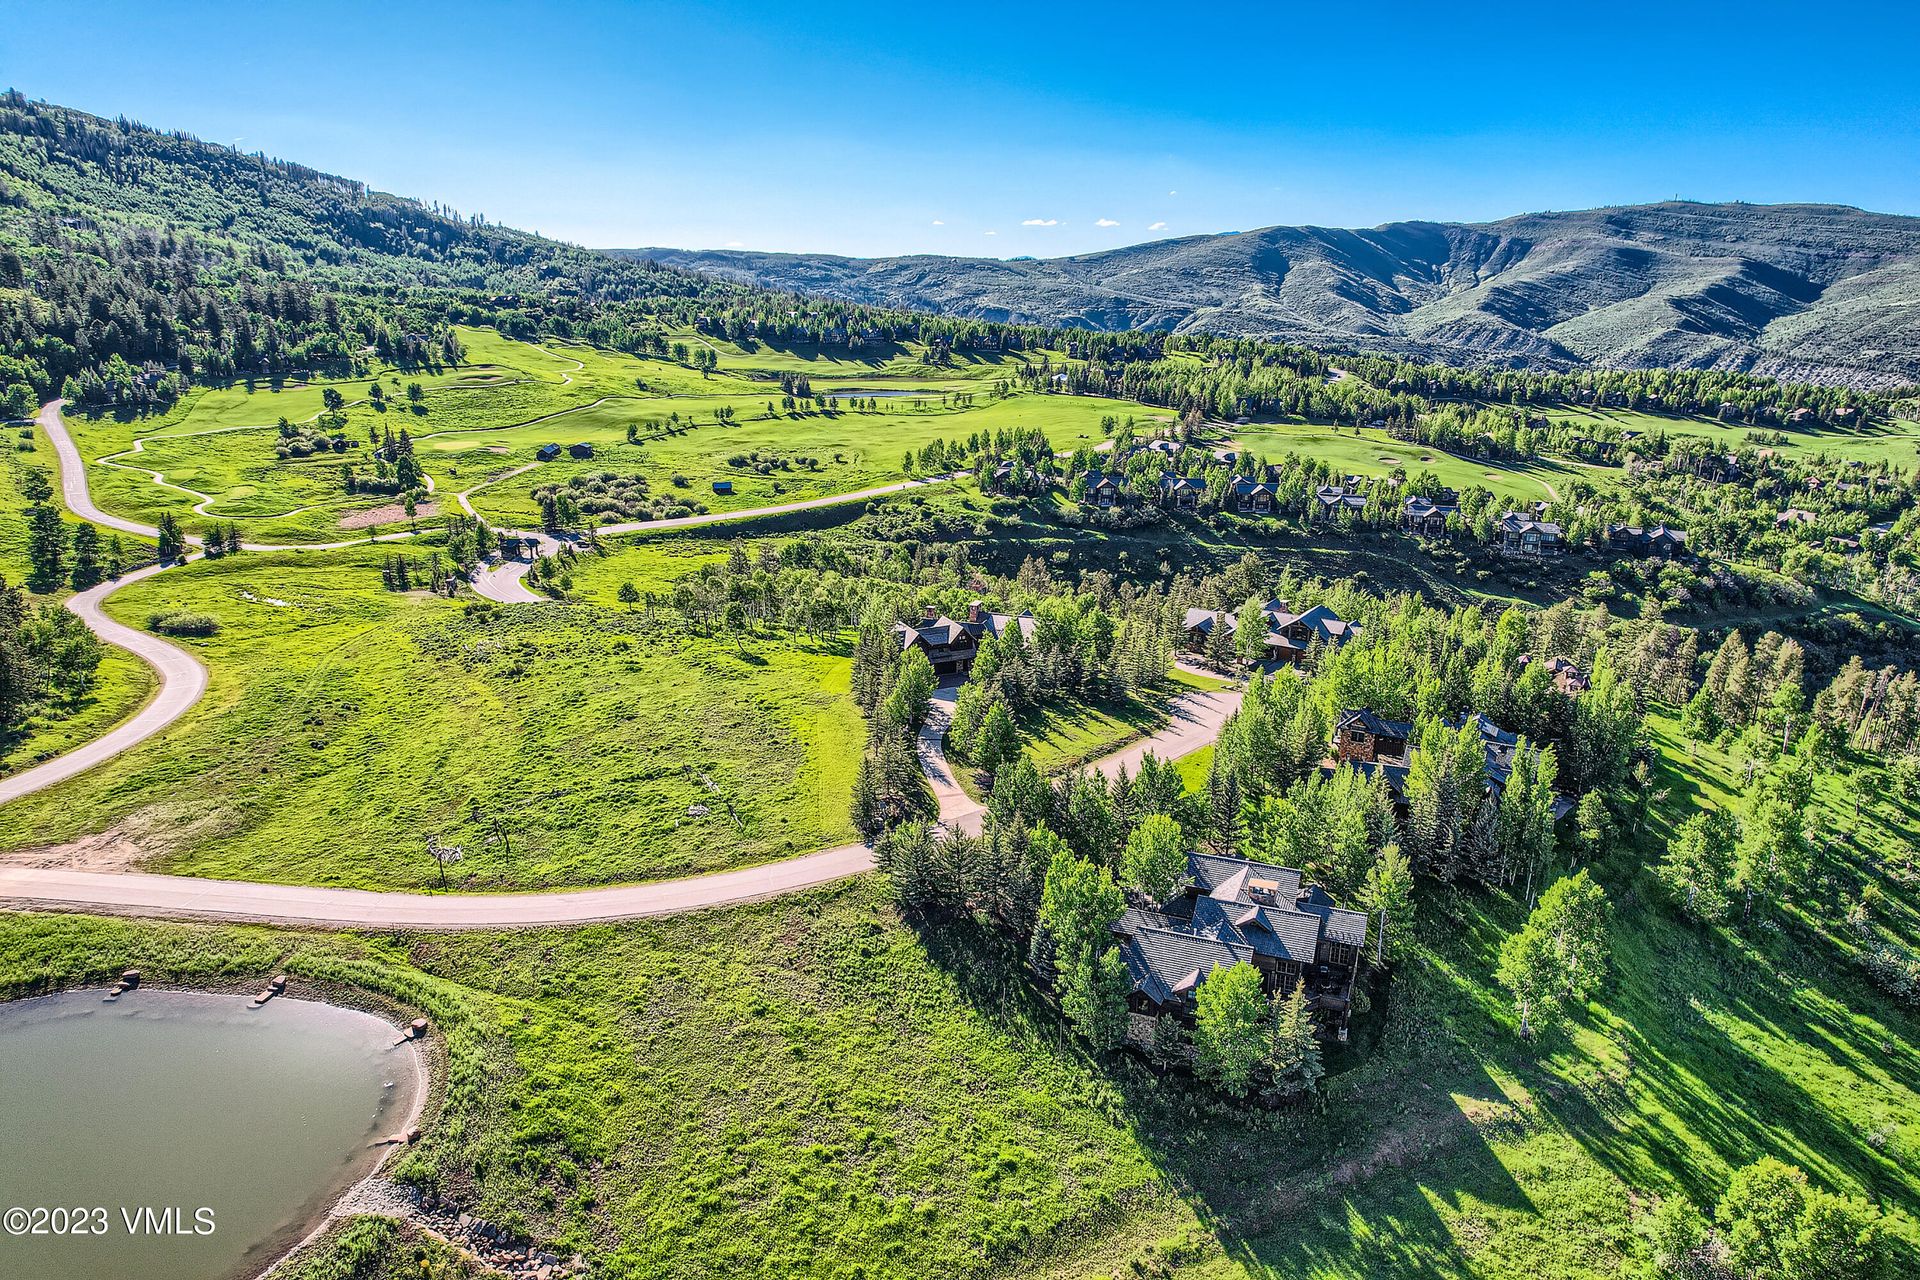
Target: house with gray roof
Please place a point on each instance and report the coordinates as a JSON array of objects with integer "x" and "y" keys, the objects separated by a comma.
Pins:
[
  {"x": 1518, "y": 535},
  {"x": 951, "y": 645},
  {"x": 1237, "y": 911}
]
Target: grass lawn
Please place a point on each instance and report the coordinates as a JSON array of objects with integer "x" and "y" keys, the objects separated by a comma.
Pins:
[
  {"x": 1064, "y": 733},
  {"x": 1194, "y": 767},
  {"x": 1374, "y": 453},
  {"x": 812, "y": 1087},
  {"x": 123, "y": 685},
  {"x": 344, "y": 723}
]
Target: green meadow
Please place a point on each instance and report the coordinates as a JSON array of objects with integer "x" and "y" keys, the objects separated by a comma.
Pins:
[
  {"x": 558, "y": 744},
  {"x": 813, "y": 1086},
  {"x": 215, "y": 455},
  {"x": 1374, "y": 453}
]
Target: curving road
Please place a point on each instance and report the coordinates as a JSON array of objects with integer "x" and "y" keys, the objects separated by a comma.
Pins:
[
  {"x": 505, "y": 581},
  {"x": 182, "y": 681},
  {"x": 182, "y": 897},
  {"x": 1195, "y": 719}
]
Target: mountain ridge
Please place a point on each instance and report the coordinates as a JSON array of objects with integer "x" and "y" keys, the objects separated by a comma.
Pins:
[{"x": 1818, "y": 292}]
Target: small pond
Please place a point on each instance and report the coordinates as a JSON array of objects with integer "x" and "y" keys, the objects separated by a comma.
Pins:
[{"x": 162, "y": 1104}]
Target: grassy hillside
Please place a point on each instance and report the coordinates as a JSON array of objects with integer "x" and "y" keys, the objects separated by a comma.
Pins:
[
  {"x": 810, "y": 1086},
  {"x": 345, "y": 723}
]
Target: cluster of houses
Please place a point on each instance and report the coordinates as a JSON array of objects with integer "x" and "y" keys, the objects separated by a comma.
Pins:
[
  {"x": 1288, "y": 634},
  {"x": 1525, "y": 532},
  {"x": 1233, "y": 911}
]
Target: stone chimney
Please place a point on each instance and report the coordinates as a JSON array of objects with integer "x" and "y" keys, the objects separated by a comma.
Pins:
[
  {"x": 974, "y": 611},
  {"x": 931, "y": 613}
]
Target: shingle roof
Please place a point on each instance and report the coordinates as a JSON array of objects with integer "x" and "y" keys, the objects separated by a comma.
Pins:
[
  {"x": 1378, "y": 726},
  {"x": 1341, "y": 925},
  {"x": 1210, "y": 872},
  {"x": 1395, "y": 774},
  {"x": 1203, "y": 620},
  {"x": 1280, "y": 932},
  {"x": 1168, "y": 964}
]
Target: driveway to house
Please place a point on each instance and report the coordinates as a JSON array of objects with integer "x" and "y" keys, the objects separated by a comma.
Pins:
[
  {"x": 1196, "y": 718},
  {"x": 960, "y": 813}
]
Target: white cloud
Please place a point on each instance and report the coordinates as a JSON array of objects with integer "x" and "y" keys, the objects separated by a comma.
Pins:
[
  {"x": 1158, "y": 226},
  {"x": 991, "y": 233},
  {"x": 938, "y": 223},
  {"x": 735, "y": 244},
  {"x": 1041, "y": 222},
  {"x": 1106, "y": 222}
]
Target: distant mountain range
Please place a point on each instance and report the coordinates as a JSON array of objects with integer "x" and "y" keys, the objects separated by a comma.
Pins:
[{"x": 1823, "y": 293}]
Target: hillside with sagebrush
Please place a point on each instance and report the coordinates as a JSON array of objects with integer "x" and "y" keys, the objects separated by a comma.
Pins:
[{"x": 1804, "y": 292}]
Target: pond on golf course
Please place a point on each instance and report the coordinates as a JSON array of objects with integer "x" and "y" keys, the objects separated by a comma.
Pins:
[{"x": 183, "y": 1136}]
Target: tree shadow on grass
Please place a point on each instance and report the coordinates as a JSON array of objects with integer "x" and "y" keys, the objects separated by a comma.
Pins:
[{"x": 1375, "y": 1183}]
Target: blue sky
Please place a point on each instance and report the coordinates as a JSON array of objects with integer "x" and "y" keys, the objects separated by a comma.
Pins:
[{"x": 1001, "y": 130}]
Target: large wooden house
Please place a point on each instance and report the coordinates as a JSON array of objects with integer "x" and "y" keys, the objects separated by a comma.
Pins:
[
  {"x": 1235, "y": 911},
  {"x": 1659, "y": 541},
  {"x": 1427, "y": 518},
  {"x": 1518, "y": 535},
  {"x": 1181, "y": 493},
  {"x": 1103, "y": 489},
  {"x": 951, "y": 645},
  {"x": 1333, "y": 500},
  {"x": 1288, "y": 636},
  {"x": 1384, "y": 749},
  {"x": 1253, "y": 496}
]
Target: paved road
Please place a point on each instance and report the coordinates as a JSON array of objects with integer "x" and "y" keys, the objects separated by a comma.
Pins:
[
  {"x": 1195, "y": 719},
  {"x": 73, "y": 476},
  {"x": 960, "y": 813},
  {"x": 182, "y": 681},
  {"x": 182, "y": 897}
]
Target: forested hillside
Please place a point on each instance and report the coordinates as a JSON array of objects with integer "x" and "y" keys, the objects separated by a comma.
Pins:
[
  {"x": 135, "y": 262},
  {"x": 1814, "y": 292}
]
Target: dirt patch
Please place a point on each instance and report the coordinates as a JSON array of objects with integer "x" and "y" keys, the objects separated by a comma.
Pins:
[
  {"x": 496, "y": 448},
  {"x": 1491, "y": 475},
  {"x": 129, "y": 845},
  {"x": 112, "y": 850},
  {"x": 391, "y": 513},
  {"x": 1392, "y": 462}
]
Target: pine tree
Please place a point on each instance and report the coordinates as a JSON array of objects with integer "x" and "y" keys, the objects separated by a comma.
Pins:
[
  {"x": 87, "y": 568},
  {"x": 169, "y": 542},
  {"x": 46, "y": 549},
  {"x": 998, "y": 743},
  {"x": 1293, "y": 1050}
]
